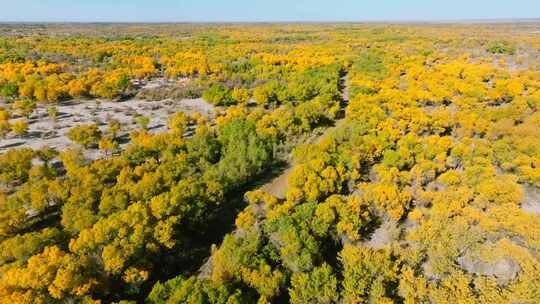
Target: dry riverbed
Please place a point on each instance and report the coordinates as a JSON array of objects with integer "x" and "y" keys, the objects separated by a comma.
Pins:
[{"x": 45, "y": 131}]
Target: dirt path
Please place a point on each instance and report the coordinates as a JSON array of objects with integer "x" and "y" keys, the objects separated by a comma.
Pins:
[{"x": 278, "y": 186}]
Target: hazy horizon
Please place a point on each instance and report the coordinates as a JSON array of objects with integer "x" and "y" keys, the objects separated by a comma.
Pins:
[
  {"x": 278, "y": 11},
  {"x": 412, "y": 21}
]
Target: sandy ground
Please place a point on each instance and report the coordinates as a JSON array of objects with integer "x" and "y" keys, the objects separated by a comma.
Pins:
[
  {"x": 44, "y": 131},
  {"x": 279, "y": 185},
  {"x": 383, "y": 236},
  {"x": 531, "y": 202}
]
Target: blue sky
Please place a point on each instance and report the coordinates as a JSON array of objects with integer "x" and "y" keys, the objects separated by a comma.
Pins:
[{"x": 264, "y": 10}]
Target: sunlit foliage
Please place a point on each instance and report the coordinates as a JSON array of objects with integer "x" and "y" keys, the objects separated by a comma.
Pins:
[{"x": 413, "y": 155}]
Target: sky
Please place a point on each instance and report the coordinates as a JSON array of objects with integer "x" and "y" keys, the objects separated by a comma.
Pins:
[{"x": 263, "y": 10}]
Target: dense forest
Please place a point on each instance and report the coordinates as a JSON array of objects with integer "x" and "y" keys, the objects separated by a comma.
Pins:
[{"x": 342, "y": 163}]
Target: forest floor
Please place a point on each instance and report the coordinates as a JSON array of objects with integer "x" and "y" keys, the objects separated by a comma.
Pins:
[{"x": 45, "y": 131}]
